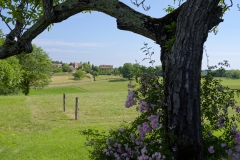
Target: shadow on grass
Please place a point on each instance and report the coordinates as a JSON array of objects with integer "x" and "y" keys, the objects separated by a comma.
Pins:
[
  {"x": 57, "y": 90},
  {"x": 118, "y": 80}
]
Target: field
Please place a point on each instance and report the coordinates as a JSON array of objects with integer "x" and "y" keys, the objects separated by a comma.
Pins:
[{"x": 35, "y": 127}]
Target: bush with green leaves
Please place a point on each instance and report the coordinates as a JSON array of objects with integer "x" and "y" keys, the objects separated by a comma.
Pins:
[
  {"x": 56, "y": 69},
  {"x": 79, "y": 74},
  {"x": 36, "y": 69},
  {"x": 66, "y": 68},
  {"x": 10, "y": 76}
]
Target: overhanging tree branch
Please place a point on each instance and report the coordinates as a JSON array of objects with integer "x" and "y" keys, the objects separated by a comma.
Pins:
[
  {"x": 127, "y": 19},
  {"x": 48, "y": 10}
]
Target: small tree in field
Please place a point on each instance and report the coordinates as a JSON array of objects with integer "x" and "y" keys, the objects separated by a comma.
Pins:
[
  {"x": 66, "y": 68},
  {"x": 36, "y": 69},
  {"x": 95, "y": 70},
  {"x": 127, "y": 70},
  {"x": 79, "y": 74}
]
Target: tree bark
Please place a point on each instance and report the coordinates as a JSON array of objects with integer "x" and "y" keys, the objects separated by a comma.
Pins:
[{"x": 181, "y": 73}]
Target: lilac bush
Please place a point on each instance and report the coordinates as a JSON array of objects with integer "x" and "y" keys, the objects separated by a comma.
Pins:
[{"x": 144, "y": 138}]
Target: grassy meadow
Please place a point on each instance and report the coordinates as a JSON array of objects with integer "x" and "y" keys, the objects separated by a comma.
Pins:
[{"x": 35, "y": 127}]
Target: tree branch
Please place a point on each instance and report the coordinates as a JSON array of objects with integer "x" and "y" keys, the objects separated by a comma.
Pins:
[
  {"x": 127, "y": 19},
  {"x": 48, "y": 10}
]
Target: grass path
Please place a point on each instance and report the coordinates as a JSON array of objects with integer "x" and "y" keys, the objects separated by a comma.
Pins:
[{"x": 34, "y": 127}]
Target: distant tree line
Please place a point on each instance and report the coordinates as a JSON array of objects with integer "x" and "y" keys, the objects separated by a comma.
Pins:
[
  {"x": 128, "y": 70},
  {"x": 233, "y": 74}
]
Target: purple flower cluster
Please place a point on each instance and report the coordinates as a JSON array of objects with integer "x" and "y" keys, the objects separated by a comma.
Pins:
[
  {"x": 144, "y": 129},
  {"x": 130, "y": 99},
  {"x": 124, "y": 151},
  {"x": 234, "y": 154},
  {"x": 144, "y": 106},
  {"x": 221, "y": 122},
  {"x": 154, "y": 121}
]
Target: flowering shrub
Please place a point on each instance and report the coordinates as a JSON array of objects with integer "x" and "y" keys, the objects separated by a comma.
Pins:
[
  {"x": 144, "y": 138},
  {"x": 219, "y": 116}
]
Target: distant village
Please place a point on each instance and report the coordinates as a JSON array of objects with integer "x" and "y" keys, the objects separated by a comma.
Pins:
[
  {"x": 74, "y": 66},
  {"x": 107, "y": 69}
]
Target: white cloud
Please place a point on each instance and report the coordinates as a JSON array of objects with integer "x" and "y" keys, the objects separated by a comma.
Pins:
[
  {"x": 49, "y": 42},
  {"x": 57, "y": 50}
]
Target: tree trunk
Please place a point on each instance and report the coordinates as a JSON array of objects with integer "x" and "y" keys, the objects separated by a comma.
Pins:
[
  {"x": 25, "y": 85},
  {"x": 181, "y": 74}
]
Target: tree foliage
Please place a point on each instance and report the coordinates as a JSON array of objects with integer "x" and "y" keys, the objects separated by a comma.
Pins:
[
  {"x": 56, "y": 69},
  {"x": 127, "y": 70},
  {"x": 65, "y": 67},
  {"x": 36, "y": 69},
  {"x": 86, "y": 67},
  {"x": 10, "y": 75},
  {"x": 79, "y": 74},
  {"x": 24, "y": 71}
]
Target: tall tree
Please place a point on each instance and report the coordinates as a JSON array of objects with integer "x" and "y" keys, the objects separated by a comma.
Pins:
[
  {"x": 10, "y": 72},
  {"x": 79, "y": 74},
  {"x": 86, "y": 67},
  {"x": 66, "y": 68},
  {"x": 181, "y": 51},
  {"x": 127, "y": 70},
  {"x": 10, "y": 75},
  {"x": 36, "y": 69},
  {"x": 95, "y": 71}
]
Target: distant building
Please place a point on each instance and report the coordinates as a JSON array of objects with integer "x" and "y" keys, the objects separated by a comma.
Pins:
[
  {"x": 106, "y": 67},
  {"x": 57, "y": 65},
  {"x": 72, "y": 70},
  {"x": 76, "y": 65}
]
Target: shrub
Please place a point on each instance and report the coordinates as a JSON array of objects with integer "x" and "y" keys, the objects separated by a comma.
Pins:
[
  {"x": 79, "y": 74},
  {"x": 88, "y": 75},
  {"x": 144, "y": 138}
]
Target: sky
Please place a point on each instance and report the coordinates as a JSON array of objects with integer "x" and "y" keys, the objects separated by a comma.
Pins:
[{"x": 95, "y": 38}]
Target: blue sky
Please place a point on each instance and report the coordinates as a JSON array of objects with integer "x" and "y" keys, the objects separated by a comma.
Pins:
[{"x": 94, "y": 37}]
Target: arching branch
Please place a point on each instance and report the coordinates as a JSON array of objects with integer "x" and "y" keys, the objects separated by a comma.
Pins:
[
  {"x": 48, "y": 10},
  {"x": 141, "y": 3},
  {"x": 126, "y": 17}
]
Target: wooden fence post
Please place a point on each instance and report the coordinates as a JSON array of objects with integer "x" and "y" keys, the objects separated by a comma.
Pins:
[
  {"x": 64, "y": 102},
  {"x": 76, "y": 109}
]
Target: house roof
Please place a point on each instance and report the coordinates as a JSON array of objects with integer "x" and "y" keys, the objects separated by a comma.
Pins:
[
  {"x": 106, "y": 66},
  {"x": 57, "y": 65}
]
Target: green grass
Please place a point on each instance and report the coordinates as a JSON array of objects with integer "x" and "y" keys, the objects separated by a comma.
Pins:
[
  {"x": 231, "y": 83},
  {"x": 35, "y": 127},
  {"x": 57, "y": 90}
]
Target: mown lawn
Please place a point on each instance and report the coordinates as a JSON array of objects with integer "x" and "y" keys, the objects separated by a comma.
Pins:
[
  {"x": 231, "y": 83},
  {"x": 35, "y": 127}
]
